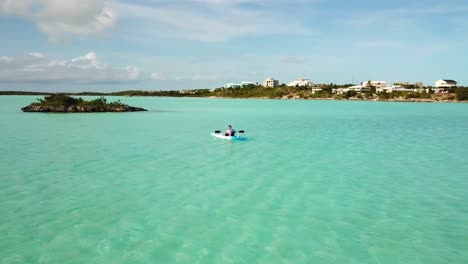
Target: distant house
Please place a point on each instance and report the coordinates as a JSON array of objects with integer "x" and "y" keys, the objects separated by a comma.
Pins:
[
  {"x": 186, "y": 91},
  {"x": 396, "y": 88},
  {"x": 445, "y": 83},
  {"x": 355, "y": 88},
  {"x": 316, "y": 90},
  {"x": 416, "y": 85},
  {"x": 232, "y": 85},
  {"x": 270, "y": 82},
  {"x": 301, "y": 82},
  {"x": 376, "y": 84},
  {"x": 359, "y": 88}
]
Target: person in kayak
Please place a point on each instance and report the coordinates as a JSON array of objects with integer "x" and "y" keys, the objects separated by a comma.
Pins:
[{"x": 230, "y": 132}]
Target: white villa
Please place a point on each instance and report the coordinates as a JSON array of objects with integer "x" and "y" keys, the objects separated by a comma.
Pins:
[
  {"x": 356, "y": 88},
  {"x": 417, "y": 85},
  {"x": 237, "y": 85},
  {"x": 316, "y": 89},
  {"x": 396, "y": 88},
  {"x": 445, "y": 83},
  {"x": 270, "y": 82},
  {"x": 376, "y": 84},
  {"x": 186, "y": 92},
  {"x": 301, "y": 82}
]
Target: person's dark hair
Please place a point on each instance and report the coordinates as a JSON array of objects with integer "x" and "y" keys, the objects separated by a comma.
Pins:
[{"x": 229, "y": 126}]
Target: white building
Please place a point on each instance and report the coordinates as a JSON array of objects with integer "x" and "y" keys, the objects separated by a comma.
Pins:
[
  {"x": 396, "y": 88},
  {"x": 186, "y": 91},
  {"x": 301, "y": 82},
  {"x": 445, "y": 83},
  {"x": 416, "y": 85},
  {"x": 232, "y": 85},
  {"x": 356, "y": 88},
  {"x": 376, "y": 84},
  {"x": 270, "y": 82},
  {"x": 316, "y": 90},
  {"x": 359, "y": 88}
]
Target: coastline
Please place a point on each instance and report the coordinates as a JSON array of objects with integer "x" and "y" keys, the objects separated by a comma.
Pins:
[
  {"x": 393, "y": 100},
  {"x": 438, "y": 99}
]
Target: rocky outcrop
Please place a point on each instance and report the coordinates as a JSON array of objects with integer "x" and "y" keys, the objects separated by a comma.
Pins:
[{"x": 80, "y": 109}]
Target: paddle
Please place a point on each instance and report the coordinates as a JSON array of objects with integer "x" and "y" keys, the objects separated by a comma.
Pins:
[{"x": 240, "y": 131}]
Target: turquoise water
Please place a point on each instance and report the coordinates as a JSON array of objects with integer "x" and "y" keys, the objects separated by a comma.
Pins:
[{"x": 317, "y": 182}]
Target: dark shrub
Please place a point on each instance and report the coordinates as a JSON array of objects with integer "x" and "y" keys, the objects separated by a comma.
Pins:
[{"x": 462, "y": 94}]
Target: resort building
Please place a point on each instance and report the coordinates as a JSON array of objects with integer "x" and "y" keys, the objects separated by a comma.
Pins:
[
  {"x": 396, "y": 88},
  {"x": 186, "y": 91},
  {"x": 356, "y": 88},
  {"x": 316, "y": 89},
  {"x": 270, "y": 82},
  {"x": 445, "y": 84},
  {"x": 232, "y": 85},
  {"x": 359, "y": 88},
  {"x": 376, "y": 84},
  {"x": 301, "y": 82},
  {"x": 416, "y": 85}
]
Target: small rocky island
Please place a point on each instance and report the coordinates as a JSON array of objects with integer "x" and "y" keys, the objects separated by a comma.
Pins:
[{"x": 61, "y": 103}]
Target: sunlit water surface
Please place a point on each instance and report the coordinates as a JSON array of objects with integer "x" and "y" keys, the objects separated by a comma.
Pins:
[{"x": 317, "y": 182}]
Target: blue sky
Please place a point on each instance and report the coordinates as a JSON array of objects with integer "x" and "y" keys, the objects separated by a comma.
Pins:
[{"x": 98, "y": 45}]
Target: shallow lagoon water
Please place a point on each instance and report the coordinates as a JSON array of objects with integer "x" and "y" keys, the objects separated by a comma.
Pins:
[{"x": 317, "y": 182}]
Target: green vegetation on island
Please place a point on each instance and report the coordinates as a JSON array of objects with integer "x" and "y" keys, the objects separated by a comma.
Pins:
[
  {"x": 319, "y": 92},
  {"x": 280, "y": 92},
  {"x": 61, "y": 103},
  {"x": 330, "y": 92}
]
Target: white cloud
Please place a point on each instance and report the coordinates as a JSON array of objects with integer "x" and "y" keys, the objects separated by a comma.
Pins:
[
  {"x": 6, "y": 59},
  {"x": 133, "y": 73},
  {"x": 91, "y": 56},
  {"x": 60, "y": 19},
  {"x": 208, "y": 20},
  {"x": 87, "y": 61},
  {"x": 84, "y": 69},
  {"x": 36, "y": 55},
  {"x": 15, "y": 6},
  {"x": 157, "y": 76}
]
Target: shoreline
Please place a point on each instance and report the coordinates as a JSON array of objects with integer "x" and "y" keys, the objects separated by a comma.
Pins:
[
  {"x": 352, "y": 99},
  {"x": 337, "y": 99}
]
